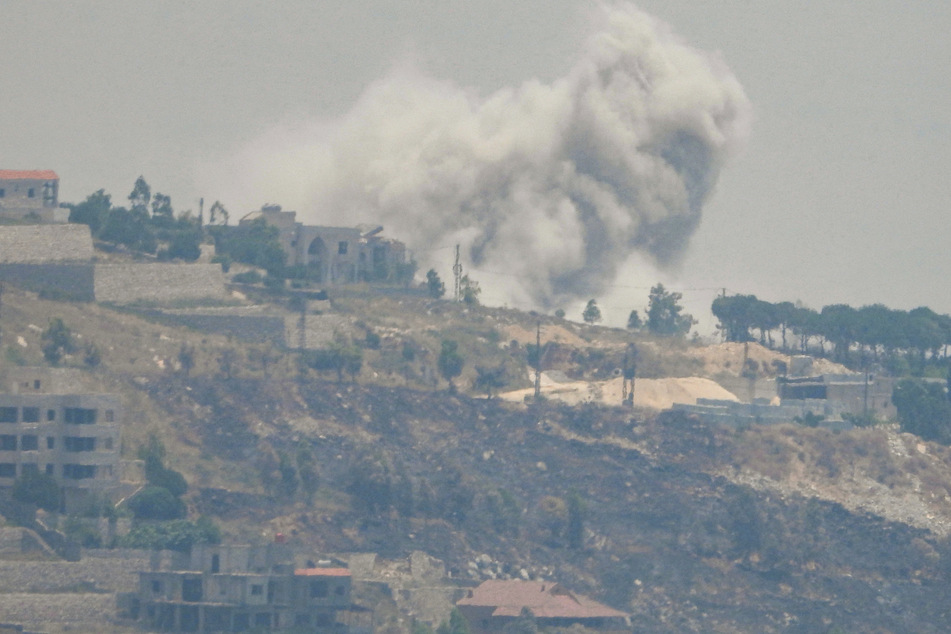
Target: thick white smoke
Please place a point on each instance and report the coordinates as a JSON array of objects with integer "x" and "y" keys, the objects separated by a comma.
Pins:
[{"x": 555, "y": 184}]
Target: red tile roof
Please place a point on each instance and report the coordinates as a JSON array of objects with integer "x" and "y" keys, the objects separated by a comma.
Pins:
[
  {"x": 544, "y": 599},
  {"x": 322, "y": 572},
  {"x": 35, "y": 175}
]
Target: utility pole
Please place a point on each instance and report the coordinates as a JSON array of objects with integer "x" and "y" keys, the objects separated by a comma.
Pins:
[
  {"x": 457, "y": 273},
  {"x": 538, "y": 361},
  {"x": 629, "y": 372},
  {"x": 1, "y": 309},
  {"x": 302, "y": 324}
]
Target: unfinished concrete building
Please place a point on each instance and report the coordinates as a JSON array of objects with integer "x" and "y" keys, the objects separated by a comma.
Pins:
[
  {"x": 242, "y": 588},
  {"x": 334, "y": 255},
  {"x": 838, "y": 395},
  {"x": 31, "y": 195},
  {"x": 73, "y": 437}
]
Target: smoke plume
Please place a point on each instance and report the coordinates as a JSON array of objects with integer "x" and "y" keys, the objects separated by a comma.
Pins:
[{"x": 553, "y": 184}]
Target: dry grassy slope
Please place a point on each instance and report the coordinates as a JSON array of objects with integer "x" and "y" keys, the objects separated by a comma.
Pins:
[
  {"x": 877, "y": 470},
  {"x": 134, "y": 354},
  {"x": 897, "y": 476},
  {"x": 664, "y": 504}
]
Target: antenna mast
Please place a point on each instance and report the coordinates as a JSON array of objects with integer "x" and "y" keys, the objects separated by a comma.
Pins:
[{"x": 457, "y": 273}]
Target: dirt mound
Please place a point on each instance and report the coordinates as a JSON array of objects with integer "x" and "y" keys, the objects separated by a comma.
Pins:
[
  {"x": 656, "y": 394},
  {"x": 732, "y": 358}
]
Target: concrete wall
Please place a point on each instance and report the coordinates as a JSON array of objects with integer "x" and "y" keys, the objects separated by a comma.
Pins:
[
  {"x": 748, "y": 390},
  {"x": 158, "y": 283}
]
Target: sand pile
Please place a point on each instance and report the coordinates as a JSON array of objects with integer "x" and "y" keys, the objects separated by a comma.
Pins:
[{"x": 656, "y": 394}]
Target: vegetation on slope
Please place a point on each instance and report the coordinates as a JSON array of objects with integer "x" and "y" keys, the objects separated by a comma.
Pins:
[{"x": 689, "y": 527}]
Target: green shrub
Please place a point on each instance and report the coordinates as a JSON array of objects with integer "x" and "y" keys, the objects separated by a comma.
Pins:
[
  {"x": 248, "y": 277},
  {"x": 178, "y": 535},
  {"x": 156, "y": 503}
]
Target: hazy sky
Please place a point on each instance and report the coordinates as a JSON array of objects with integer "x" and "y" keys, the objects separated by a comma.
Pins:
[{"x": 841, "y": 194}]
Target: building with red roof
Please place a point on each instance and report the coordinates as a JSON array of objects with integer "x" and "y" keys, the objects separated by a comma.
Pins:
[
  {"x": 494, "y": 603},
  {"x": 31, "y": 195}
]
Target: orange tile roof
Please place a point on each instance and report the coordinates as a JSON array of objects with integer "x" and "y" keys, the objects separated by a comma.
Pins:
[
  {"x": 544, "y": 599},
  {"x": 37, "y": 175},
  {"x": 322, "y": 572}
]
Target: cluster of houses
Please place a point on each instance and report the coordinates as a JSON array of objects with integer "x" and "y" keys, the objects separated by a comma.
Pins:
[
  {"x": 265, "y": 588},
  {"x": 40, "y": 251},
  {"x": 49, "y": 425}
]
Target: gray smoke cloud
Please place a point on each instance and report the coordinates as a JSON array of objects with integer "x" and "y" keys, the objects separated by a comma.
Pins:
[{"x": 554, "y": 184}]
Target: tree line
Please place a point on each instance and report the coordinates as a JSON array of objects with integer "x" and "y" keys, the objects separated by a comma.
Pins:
[
  {"x": 902, "y": 341},
  {"x": 148, "y": 220}
]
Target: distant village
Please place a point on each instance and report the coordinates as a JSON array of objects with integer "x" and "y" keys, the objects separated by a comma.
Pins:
[{"x": 50, "y": 425}]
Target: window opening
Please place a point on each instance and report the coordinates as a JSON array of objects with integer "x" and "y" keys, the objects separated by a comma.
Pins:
[{"x": 80, "y": 416}]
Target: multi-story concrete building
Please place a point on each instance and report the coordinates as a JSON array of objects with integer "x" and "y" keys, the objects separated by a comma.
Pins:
[
  {"x": 240, "y": 588},
  {"x": 73, "y": 437},
  {"x": 334, "y": 255},
  {"x": 32, "y": 194}
]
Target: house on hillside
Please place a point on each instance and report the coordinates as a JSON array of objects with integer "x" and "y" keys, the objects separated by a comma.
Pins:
[
  {"x": 32, "y": 195},
  {"x": 69, "y": 435},
  {"x": 835, "y": 396},
  {"x": 334, "y": 255},
  {"x": 494, "y": 603},
  {"x": 242, "y": 588}
]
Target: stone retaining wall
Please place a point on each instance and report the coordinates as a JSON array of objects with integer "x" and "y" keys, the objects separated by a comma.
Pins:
[
  {"x": 241, "y": 324},
  {"x": 100, "y": 574},
  {"x": 58, "y": 280},
  {"x": 45, "y": 244},
  {"x": 158, "y": 283},
  {"x": 319, "y": 330},
  {"x": 77, "y": 612}
]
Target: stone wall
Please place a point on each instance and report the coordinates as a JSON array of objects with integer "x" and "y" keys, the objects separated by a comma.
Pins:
[
  {"x": 246, "y": 323},
  {"x": 44, "y": 244},
  {"x": 319, "y": 330},
  {"x": 57, "y": 281},
  {"x": 35, "y": 214},
  {"x": 77, "y": 612},
  {"x": 158, "y": 283},
  {"x": 91, "y": 574}
]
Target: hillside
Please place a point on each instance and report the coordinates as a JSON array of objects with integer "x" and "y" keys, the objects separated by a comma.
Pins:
[{"x": 688, "y": 527}]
